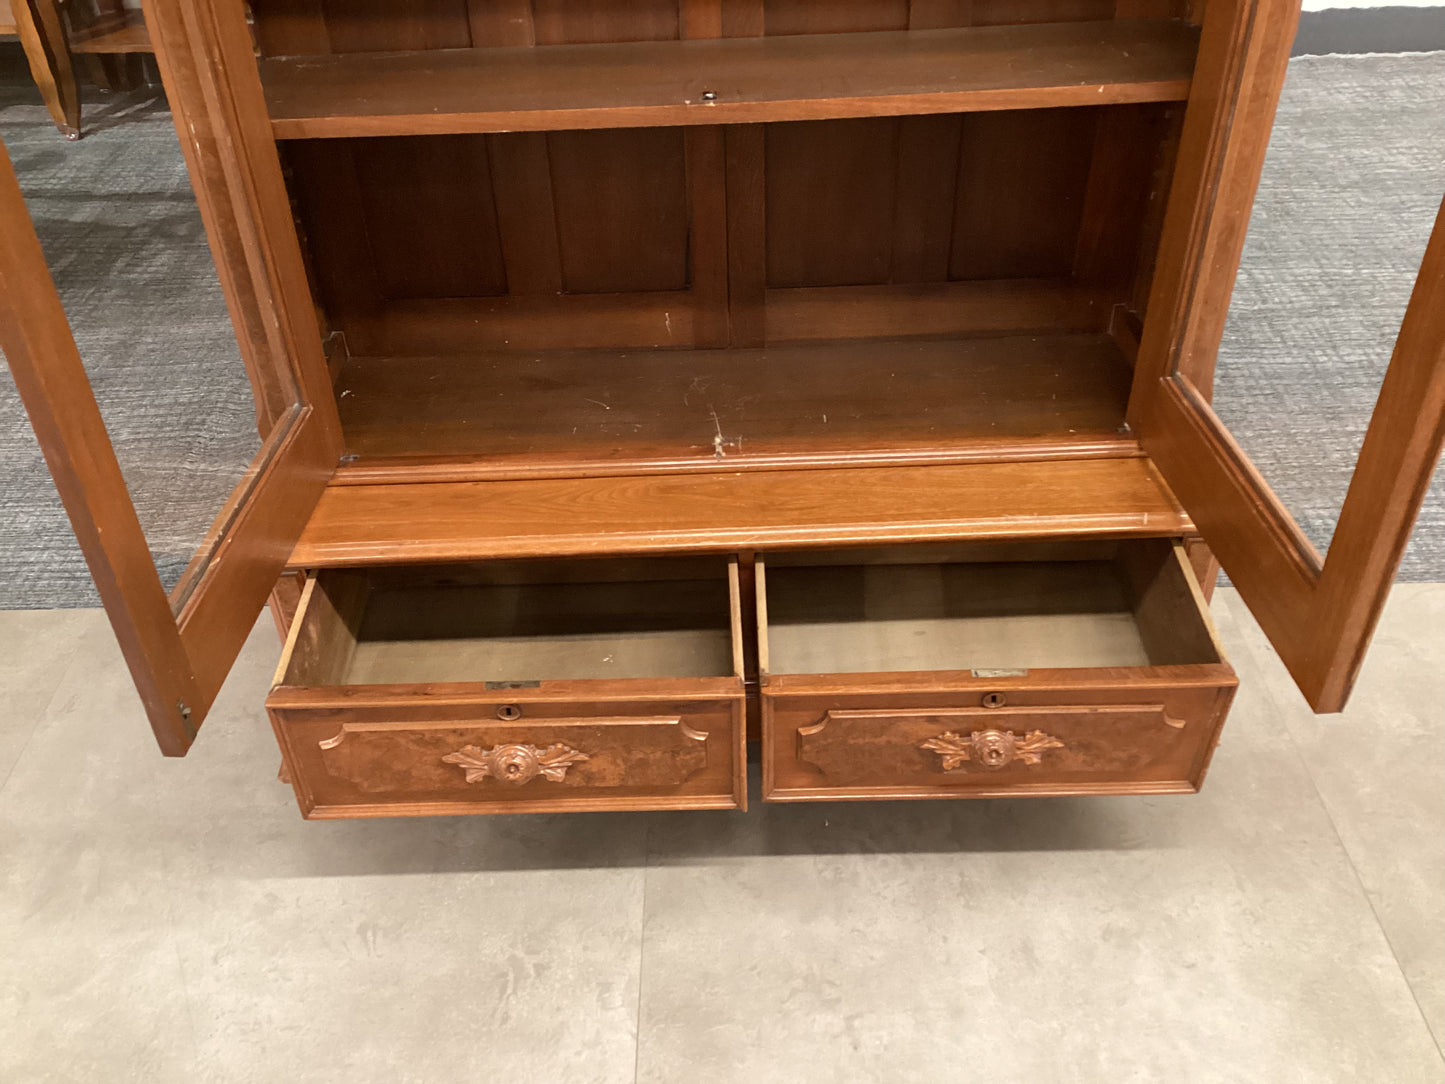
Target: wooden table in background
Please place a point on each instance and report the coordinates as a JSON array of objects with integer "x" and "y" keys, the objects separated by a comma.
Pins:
[{"x": 104, "y": 32}]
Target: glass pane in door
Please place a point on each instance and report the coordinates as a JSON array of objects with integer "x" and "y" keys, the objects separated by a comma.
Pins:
[
  {"x": 1351, "y": 188},
  {"x": 121, "y": 232}
]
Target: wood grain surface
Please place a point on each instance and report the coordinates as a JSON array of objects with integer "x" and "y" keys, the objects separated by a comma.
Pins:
[
  {"x": 728, "y": 80},
  {"x": 382, "y": 524},
  {"x": 580, "y": 412}
]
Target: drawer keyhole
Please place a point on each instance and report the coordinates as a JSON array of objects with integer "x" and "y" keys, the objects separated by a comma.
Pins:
[
  {"x": 994, "y": 700},
  {"x": 509, "y": 712}
]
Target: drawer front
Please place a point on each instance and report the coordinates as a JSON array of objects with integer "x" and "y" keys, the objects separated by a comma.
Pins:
[
  {"x": 414, "y": 759},
  {"x": 931, "y": 745}
]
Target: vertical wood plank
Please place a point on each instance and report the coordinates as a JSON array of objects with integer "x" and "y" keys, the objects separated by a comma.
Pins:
[
  {"x": 285, "y": 599},
  {"x": 1116, "y": 202},
  {"x": 430, "y": 217},
  {"x": 359, "y": 26},
  {"x": 333, "y": 222},
  {"x": 746, "y": 188},
  {"x": 521, "y": 172},
  {"x": 526, "y": 214},
  {"x": 1153, "y": 9},
  {"x": 702, "y": 19},
  {"x": 1018, "y": 12},
  {"x": 560, "y": 22},
  {"x": 501, "y": 22},
  {"x": 834, "y": 16},
  {"x": 939, "y": 14},
  {"x": 830, "y": 201},
  {"x": 1021, "y": 193},
  {"x": 747, "y": 234},
  {"x": 743, "y": 19},
  {"x": 706, "y": 152},
  {"x": 708, "y": 232},
  {"x": 1204, "y": 565},
  {"x": 928, "y": 149},
  {"x": 621, "y": 199},
  {"x": 291, "y": 28},
  {"x": 1161, "y": 180}
]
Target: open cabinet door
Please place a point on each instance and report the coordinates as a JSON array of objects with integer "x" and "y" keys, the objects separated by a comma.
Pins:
[
  {"x": 180, "y": 647},
  {"x": 1319, "y": 613}
]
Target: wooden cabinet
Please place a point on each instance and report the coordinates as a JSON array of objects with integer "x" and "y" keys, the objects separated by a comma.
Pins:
[
  {"x": 531, "y": 686},
  {"x": 1078, "y": 669},
  {"x": 637, "y": 380}
]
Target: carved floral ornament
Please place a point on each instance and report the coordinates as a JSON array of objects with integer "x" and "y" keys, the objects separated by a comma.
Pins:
[
  {"x": 516, "y": 764},
  {"x": 991, "y": 749}
]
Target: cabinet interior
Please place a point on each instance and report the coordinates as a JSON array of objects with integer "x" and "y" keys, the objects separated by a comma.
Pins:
[
  {"x": 1096, "y": 605},
  {"x": 522, "y": 285},
  {"x": 515, "y": 623}
]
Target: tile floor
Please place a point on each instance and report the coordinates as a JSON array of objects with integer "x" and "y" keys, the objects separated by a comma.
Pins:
[{"x": 167, "y": 921}]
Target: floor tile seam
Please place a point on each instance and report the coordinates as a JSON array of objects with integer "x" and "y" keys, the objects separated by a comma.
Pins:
[
  {"x": 1251, "y": 651},
  {"x": 1370, "y": 901},
  {"x": 641, "y": 951},
  {"x": 29, "y": 737},
  {"x": 187, "y": 1000},
  {"x": 62, "y": 672}
]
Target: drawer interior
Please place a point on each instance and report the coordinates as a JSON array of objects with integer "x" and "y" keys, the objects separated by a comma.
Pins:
[
  {"x": 516, "y": 623},
  {"x": 984, "y": 609}
]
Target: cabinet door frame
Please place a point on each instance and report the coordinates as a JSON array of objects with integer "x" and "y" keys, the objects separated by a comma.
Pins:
[
  {"x": 180, "y": 647},
  {"x": 1318, "y": 612}
]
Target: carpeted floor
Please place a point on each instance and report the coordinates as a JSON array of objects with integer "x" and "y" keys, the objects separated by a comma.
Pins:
[
  {"x": 1354, "y": 179},
  {"x": 126, "y": 246},
  {"x": 1356, "y": 172}
]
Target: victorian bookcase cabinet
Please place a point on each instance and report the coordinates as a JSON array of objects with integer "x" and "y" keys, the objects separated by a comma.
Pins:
[{"x": 642, "y": 380}]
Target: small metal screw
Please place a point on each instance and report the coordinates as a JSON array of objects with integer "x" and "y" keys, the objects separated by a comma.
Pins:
[
  {"x": 184, "y": 709},
  {"x": 994, "y": 700},
  {"x": 709, "y": 95},
  {"x": 508, "y": 712}
]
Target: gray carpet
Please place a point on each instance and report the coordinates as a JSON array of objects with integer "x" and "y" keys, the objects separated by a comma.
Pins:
[
  {"x": 128, "y": 252},
  {"x": 1354, "y": 178},
  {"x": 1356, "y": 171}
]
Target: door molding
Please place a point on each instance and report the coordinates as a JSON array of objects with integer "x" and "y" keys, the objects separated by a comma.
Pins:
[{"x": 1319, "y": 613}]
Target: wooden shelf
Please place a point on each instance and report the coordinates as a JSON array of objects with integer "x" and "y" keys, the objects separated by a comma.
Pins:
[
  {"x": 747, "y": 510},
  {"x": 780, "y": 78},
  {"x": 508, "y": 414},
  {"x": 125, "y": 36}
]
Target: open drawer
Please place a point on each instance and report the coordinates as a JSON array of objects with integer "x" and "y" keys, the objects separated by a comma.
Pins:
[
  {"x": 981, "y": 671},
  {"x": 515, "y": 687}
]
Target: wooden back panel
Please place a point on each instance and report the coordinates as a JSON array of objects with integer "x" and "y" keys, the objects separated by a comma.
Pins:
[
  {"x": 697, "y": 237},
  {"x": 926, "y": 199}
]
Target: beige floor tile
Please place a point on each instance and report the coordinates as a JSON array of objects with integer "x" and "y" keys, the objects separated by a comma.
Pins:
[
  {"x": 171, "y": 920},
  {"x": 1380, "y": 768},
  {"x": 1222, "y": 937},
  {"x": 35, "y": 648},
  {"x": 177, "y": 920}
]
